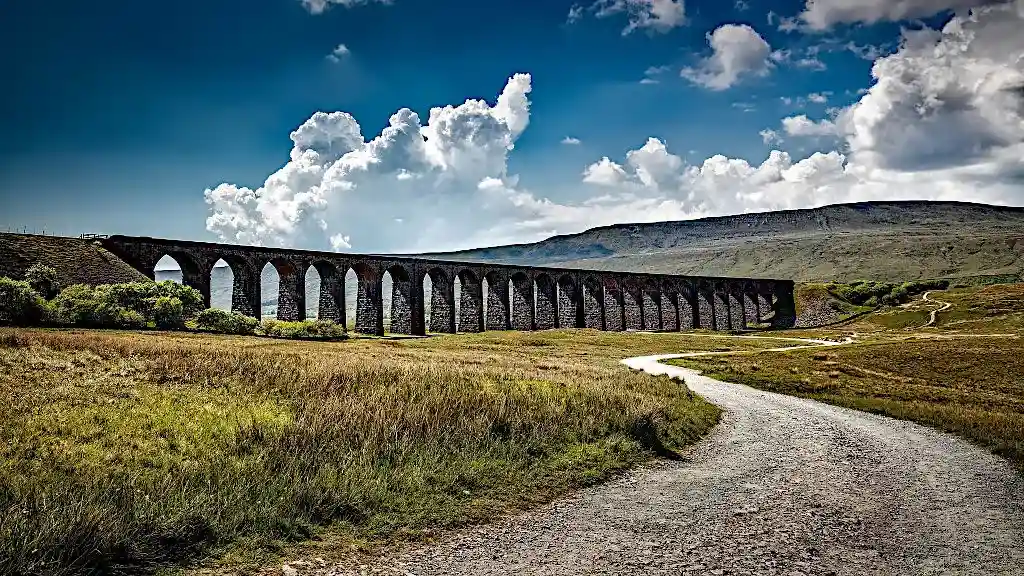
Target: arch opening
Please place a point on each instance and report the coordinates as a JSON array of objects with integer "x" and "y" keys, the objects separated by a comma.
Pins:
[
  {"x": 271, "y": 282},
  {"x": 222, "y": 284}
]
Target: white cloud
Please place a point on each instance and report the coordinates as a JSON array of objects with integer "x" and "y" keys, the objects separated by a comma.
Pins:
[
  {"x": 570, "y": 141},
  {"x": 741, "y": 5},
  {"x": 770, "y": 137},
  {"x": 318, "y": 6},
  {"x": 738, "y": 51},
  {"x": 818, "y": 97},
  {"x": 823, "y": 14},
  {"x": 339, "y": 52},
  {"x": 654, "y": 15},
  {"x": 803, "y": 126},
  {"x": 944, "y": 119}
]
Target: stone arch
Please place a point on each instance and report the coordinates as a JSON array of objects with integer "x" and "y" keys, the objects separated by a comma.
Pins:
[
  {"x": 613, "y": 310},
  {"x": 651, "y": 305},
  {"x": 442, "y": 301},
  {"x": 291, "y": 288},
  {"x": 496, "y": 312},
  {"x": 403, "y": 300},
  {"x": 546, "y": 313},
  {"x": 569, "y": 312},
  {"x": 705, "y": 307},
  {"x": 245, "y": 285},
  {"x": 632, "y": 305},
  {"x": 669, "y": 307},
  {"x": 471, "y": 302},
  {"x": 751, "y": 304},
  {"x": 329, "y": 291},
  {"x": 687, "y": 308},
  {"x": 522, "y": 301},
  {"x": 737, "y": 315},
  {"x": 592, "y": 299},
  {"x": 721, "y": 308},
  {"x": 369, "y": 300},
  {"x": 195, "y": 272}
]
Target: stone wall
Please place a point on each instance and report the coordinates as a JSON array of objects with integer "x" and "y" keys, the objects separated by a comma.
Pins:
[{"x": 599, "y": 300}]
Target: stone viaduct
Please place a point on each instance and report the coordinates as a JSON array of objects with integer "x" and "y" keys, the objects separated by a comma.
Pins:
[{"x": 537, "y": 298}]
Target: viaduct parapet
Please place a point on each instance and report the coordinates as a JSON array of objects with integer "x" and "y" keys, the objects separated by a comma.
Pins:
[{"x": 537, "y": 298}]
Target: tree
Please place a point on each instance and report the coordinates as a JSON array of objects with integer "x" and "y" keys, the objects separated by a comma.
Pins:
[{"x": 43, "y": 280}]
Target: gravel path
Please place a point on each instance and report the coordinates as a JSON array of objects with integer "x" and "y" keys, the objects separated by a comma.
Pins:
[
  {"x": 782, "y": 486},
  {"x": 945, "y": 306}
]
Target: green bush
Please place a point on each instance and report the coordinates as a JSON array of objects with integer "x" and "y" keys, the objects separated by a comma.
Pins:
[
  {"x": 20, "y": 304},
  {"x": 307, "y": 329},
  {"x": 168, "y": 313},
  {"x": 223, "y": 322},
  {"x": 868, "y": 293},
  {"x": 43, "y": 280},
  {"x": 82, "y": 305}
]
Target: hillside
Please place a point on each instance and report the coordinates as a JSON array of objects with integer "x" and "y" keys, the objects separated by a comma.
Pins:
[
  {"x": 892, "y": 241},
  {"x": 76, "y": 261}
]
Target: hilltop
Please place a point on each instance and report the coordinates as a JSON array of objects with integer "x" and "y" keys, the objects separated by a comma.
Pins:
[{"x": 893, "y": 241}]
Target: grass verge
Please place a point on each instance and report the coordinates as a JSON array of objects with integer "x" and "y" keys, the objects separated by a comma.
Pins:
[{"x": 134, "y": 451}]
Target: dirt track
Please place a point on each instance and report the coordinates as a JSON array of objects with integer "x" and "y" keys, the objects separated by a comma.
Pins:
[{"x": 782, "y": 486}]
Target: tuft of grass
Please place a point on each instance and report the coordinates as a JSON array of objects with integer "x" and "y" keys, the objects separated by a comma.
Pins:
[{"x": 126, "y": 452}]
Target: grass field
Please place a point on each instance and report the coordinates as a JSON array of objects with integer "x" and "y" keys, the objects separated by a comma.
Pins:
[
  {"x": 965, "y": 375},
  {"x": 134, "y": 451}
]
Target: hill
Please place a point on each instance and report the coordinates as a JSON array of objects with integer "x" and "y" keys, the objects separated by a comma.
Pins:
[
  {"x": 892, "y": 241},
  {"x": 77, "y": 261}
]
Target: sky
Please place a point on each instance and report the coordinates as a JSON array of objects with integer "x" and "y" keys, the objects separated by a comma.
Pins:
[{"x": 415, "y": 125}]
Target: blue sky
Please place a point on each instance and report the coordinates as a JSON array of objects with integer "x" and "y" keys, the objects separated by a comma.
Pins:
[{"x": 118, "y": 116}]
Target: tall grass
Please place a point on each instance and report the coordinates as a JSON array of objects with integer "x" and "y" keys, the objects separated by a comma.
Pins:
[{"x": 124, "y": 452}]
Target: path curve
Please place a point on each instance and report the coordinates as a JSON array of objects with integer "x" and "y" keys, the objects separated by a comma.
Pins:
[
  {"x": 945, "y": 306},
  {"x": 782, "y": 485}
]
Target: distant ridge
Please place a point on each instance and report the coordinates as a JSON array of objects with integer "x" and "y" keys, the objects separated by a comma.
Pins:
[{"x": 889, "y": 240}]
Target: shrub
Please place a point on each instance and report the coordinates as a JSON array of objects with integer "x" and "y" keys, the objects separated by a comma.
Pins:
[
  {"x": 168, "y": 313},
  {"x": 20, "y": 304},
  {"x": 221, "y": 321},
  {"x": 82, "y": 305},
  {"x": 191, "y": 299},
  {"x": 43, "y": 280},
  {"x": 307, "y": 329}
]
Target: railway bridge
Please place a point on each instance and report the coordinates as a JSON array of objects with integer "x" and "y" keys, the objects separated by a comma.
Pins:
[{"x": 536, "y": 298}]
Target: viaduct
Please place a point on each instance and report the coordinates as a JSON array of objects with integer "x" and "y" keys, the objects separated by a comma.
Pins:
[{"x": 538, "y": 298}]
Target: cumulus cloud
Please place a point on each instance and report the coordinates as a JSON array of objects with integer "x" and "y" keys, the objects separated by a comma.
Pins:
[
  {"x": 652, "y": 15},
  {"x": 823, "y": 14},
  {"x": 944, "y": 119},
  {"x": 803, "y": 126},
  {"x": 570, "y": 141},
  {"x": 738, "y": 51},
  {"x": 336, "y": 181}
]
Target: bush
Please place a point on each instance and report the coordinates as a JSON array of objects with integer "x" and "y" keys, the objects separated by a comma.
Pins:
[
  {"x": 307, "y": 329},
  {"x": 223, "y": 322},
  {"x": 168, "y": 313},
  {"x": 20, "y": 304},
  {"x": 82, "y": 305},
  {"x": 43, "y": 280}
]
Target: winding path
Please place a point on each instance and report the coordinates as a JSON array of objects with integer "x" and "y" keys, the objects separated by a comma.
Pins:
[
  {"x": 782, "y": 486},
  {"x": 945, "y": 306}
]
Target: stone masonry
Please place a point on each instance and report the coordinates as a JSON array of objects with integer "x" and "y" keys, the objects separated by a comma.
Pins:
[{"x": 518, "y": 297}]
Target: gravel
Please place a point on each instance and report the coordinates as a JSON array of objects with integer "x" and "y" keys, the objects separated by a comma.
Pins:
[{"x": 782, "y": 486}]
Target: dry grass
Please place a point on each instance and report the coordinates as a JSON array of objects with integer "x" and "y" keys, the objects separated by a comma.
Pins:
[
  {"x": 965, "y": 375},
  {"x": 129, "y": 451}
]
